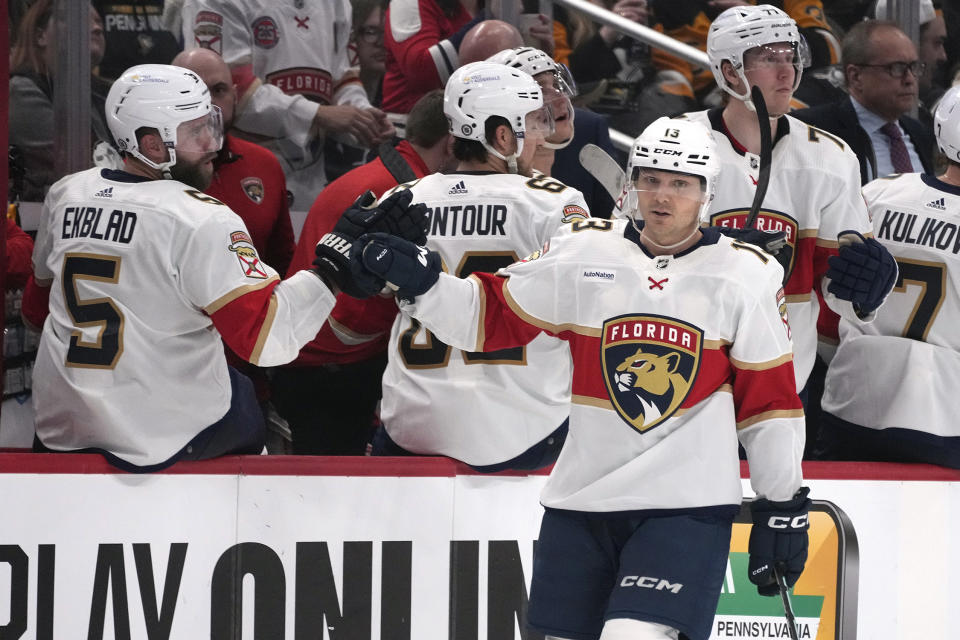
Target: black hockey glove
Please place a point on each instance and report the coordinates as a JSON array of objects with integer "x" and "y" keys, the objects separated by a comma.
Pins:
[
  {"x": 395, "y": 215},
  {"x": 773, "y": 242},
  {"x": 333, "y": 264},
  {"x": 408, "y": 269},
  {"x": 778, "y": 539},
  {"x": 863, "y": 272}
]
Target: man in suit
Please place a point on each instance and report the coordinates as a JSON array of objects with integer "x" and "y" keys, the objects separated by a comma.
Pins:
[{"x": 882, "y": 72}]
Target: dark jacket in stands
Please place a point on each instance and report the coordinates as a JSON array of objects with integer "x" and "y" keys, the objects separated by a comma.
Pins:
[
  {"x": 587, "y": 127},
  {"x": 840, "y": 118}
]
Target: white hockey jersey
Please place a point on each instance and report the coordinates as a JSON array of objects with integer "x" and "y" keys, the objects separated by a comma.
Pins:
[
  {"x": 145, "y": 277},
  {"x": 813, "y": 195},
  {"x": 298, "y": 49},
  {"x": 674, "y": 357},
  {"x": 480, "y": 408},
  {"x": 903, "y": 369}
]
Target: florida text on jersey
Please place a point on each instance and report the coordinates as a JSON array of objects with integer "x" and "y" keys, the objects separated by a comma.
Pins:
[{"x": 666, "y": 350}]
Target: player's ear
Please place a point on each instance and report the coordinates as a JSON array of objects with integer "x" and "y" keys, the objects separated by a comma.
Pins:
[
  {"x": 504, "y": 140},
  {"x": 152, "y": 146},
  {"x": 730, "y": 74}
]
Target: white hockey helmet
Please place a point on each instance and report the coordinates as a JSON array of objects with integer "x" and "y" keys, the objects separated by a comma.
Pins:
[
  {"x": 534, "y": 62},
  {"x": 163, "y": 97},
  {"x": 946, "y": 124},
  {"x": 677, "y": 145},
  {"x": 479, "y": 90},
  {"x": 739, "y": 29}
]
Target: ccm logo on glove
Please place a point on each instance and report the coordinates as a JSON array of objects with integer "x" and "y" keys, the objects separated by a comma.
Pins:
[{"x": 783, "y": 522}]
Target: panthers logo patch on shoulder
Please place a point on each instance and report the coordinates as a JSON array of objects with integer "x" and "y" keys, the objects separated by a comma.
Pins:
[{"x": 649, "y": 365}]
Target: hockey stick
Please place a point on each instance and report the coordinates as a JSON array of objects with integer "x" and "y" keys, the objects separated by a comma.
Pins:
[
  {"x": 605, "y": 169},
  {"x": 787, "y": 607},
  {"x": 766, "y": 150}
]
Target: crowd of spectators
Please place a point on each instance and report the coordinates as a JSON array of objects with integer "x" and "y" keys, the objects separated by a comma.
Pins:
[{"x": 311, "y": 127}]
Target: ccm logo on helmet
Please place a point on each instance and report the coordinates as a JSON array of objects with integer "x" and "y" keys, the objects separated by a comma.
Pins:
[
  {"x": 785, "y": 522},
  {"x": 646, "y": 582}
]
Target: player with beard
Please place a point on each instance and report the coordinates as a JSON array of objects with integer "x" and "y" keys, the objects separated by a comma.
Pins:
[
  {"x": 138, "y": 274},
  {"x": 247, "y": 178}
]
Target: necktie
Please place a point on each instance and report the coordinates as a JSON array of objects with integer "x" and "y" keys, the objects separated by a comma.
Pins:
[{"x": 899, "y": 155}]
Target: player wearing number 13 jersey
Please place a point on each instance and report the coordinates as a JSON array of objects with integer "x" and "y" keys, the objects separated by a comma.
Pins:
[
  {"x": 489, "y": 409},
  {"x": 680, "y": 347},
  {"x": 144, "y": 275}
]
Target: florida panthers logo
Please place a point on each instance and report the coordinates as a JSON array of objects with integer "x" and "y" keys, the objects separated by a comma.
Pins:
[
  {"x": 766, "y": 221},
  {"x": 649, "y": 365},
  {"x": 253, "y": 187}
]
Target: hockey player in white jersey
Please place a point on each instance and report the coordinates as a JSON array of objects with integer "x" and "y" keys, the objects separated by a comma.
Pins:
[
  {"x": 890, "y": 389},
  {"x": 680, "y": 344},
  {"x": 137, "y": 277},
  {"x": 290, "y": 64},
  {"x": 491, "y": 410},
  {"x": 813, "y": 194}
]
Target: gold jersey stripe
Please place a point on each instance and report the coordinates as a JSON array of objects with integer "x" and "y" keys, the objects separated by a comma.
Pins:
[
  {"x": 716, "y": 344},
  {"x": 230, "y": 296},
  {"x": 761, "y": 366},
  {"x": 592, "y": 332},
  {"x": 264, "y": 329},
  {"x": 770, "y": 415},
  {"x": 606, "y": 404},
  {"x": 592, "y": 402},
  {"x": 481, "y": 325}
]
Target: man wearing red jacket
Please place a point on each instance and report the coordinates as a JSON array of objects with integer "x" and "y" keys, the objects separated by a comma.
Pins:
[
  {"x": 329, "y": 394},
  {"x": 423, "y": 39}
]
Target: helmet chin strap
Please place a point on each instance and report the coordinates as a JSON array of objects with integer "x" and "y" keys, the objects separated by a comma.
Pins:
[
  {"x": 667, "y": 247},
  {"x": 511, "y": 160},
  {"x": 163, "y": 167},
  {"x": 558, "y": 145}
]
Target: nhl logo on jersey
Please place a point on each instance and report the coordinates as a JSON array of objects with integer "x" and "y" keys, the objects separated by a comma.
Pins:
[
  {"x": 242, "y": 245},
  {"x": 649, "y": 365},
  {"x": 253, "y": 187}
]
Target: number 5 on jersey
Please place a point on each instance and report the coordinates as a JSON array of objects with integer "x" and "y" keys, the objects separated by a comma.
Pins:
[{"x": 102, "y": 313}]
